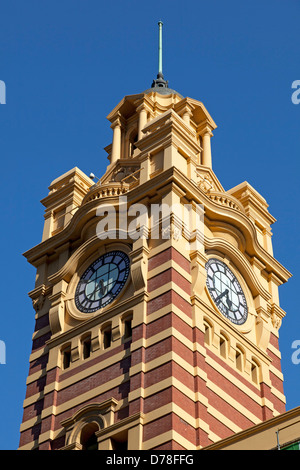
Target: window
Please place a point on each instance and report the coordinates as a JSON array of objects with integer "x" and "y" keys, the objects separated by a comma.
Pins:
[
  {"x": 88, "y": 438},
  {"x": 207, "y": 332},
  {"x": 127, "y": 322},
  {"x": 66, "y": 357},
  {"x": 118, "y": 445},
  {"x": 239, "y": 359},
  {"x": 254, "y": 372},
  {"x": 86, "y": 347},
  {"x": 82, "y": 428},
  {"x": 294, "y": 446},
  {"x": 120, "y": 441},
  {"x": 107, "y": 337},
  {"x": 223, "y": 346}
]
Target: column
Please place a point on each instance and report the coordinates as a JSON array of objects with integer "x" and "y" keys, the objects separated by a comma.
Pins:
[
  {"x": 206, "y": 153},
  {"x": 116, "y": 144},
  {"x": 142, "y": 120},
  {"x": 186, "y": 116}
]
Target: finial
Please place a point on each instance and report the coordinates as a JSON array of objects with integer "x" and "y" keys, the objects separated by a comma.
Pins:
[{"x": 160, "y": 82}]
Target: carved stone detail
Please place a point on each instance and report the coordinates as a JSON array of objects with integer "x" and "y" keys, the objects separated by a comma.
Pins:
[
  {"x": 205, "y": 182},
  {"x": 38, "y": 303},
  {"x": 139, "y": 265},
  {"x": 276, "y": 321},
  {"x": 226, "y": 200}
]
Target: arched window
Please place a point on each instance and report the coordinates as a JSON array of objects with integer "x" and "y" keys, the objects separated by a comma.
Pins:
[
  {"x": 88, "y": 438},
  {"x": 127, "y": 326},
  {"x": 255, "y": 371},
  {"x": 224, "y": 345},
  {"x": 239, "y": 359},
  {"x": 106, "y": 336},
  {"x": 66, "y": 357},
  {"x": 81, "y": 428},
  {"x": 86, "y": 347},
  {"x": 208, "y": 332}
]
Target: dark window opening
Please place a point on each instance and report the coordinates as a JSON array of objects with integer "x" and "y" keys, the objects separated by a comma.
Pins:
[
  {"x": 88, "y": 437},
  {"x": 207, "y": 334},
  {"x": 223, "y": 347},
  {"x": 116, "y": 445},
  {"x": 107, "y": 337},
  {"x": 254, "y": 372},
  {"x": 120, "y": 441},
  {"x": 87, "y": 348},
  {"x": 91, "y": 443},
  {"x": 66, "y": 358},
  {"x": 132, "y": 142},
  {"x": 128, "y": 328}
]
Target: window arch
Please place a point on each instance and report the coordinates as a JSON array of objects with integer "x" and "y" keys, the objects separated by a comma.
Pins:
[
  {"x": 255, "y": 371},
  {"x": 66, "y": 357},
  {"x": 86, "y": 346},
  {"x": 82, "y": 427},
  {"x": 127, "y": 325},
  {"x": 224, "y": 345},
  {"x": 106, "y": 335},
  {"x": 208, "y": 332},
  {"x": 239, "y": 358}
]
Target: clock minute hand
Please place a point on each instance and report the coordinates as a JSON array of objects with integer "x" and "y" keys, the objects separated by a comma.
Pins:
[
  {"x": 228, "y": 301},
  {"x": 102, "y": 287}
]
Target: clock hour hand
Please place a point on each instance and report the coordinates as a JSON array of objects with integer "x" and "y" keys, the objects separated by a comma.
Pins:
[
  {"x": 228, "y": 301},
  {"x": 222, "y": 295},
  {"x": 98, "y": 287}
]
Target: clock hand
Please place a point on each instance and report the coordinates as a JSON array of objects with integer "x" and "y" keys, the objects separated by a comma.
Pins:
[
  {"x": 222, "y": 295},
  {"x": 98, "y": 287},
  {"x": 228, "y": 301},
  {"x": 102, "y": 287}
]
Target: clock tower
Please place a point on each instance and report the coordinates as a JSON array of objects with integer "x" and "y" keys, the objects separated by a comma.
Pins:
[{"x": 154, "y": 331}]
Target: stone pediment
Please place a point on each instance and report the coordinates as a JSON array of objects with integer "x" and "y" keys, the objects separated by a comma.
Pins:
[{"x": 207, "y": 180}]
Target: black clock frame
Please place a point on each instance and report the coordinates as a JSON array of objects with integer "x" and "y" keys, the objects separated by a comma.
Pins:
[{"x": 85, "y": 303}]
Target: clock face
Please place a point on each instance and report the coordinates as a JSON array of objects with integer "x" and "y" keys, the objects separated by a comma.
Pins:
[
  {"x": 226, "y": 291},
  {"x": 102, "y": 281}
]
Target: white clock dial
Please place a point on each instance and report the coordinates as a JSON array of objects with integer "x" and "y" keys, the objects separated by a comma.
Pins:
[{"x": 226, "y": 291}]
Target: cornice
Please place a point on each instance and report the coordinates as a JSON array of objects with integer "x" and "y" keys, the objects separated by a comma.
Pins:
[
  {"x": 127, "y": 101},
  {"x": 213, "y": 211}
]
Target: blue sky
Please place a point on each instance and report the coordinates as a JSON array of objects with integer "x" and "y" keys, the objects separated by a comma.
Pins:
[{"x": 67, "y": 63}]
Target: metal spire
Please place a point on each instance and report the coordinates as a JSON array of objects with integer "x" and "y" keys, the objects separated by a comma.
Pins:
[
  {"x": 160, "y": 82},
  {"x": 160, "y": 24}
]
